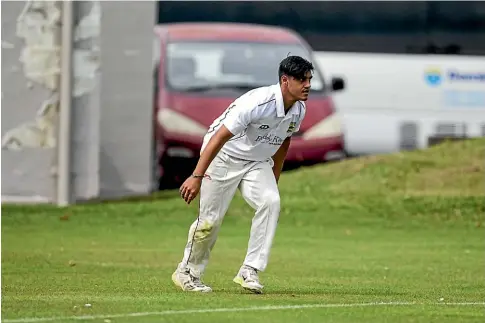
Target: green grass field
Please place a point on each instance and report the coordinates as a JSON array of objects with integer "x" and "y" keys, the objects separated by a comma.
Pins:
[{"x": 396, "y": 238}]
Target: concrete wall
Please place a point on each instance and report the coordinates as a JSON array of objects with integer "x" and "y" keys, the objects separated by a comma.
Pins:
[
  {"x": 111, "y": 137},
  {"x": 126, "y": 97},
  {"x": 29, "y": 105}
]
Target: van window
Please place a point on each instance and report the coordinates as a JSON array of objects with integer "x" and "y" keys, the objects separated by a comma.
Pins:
[{"x": 457, "y": 27}]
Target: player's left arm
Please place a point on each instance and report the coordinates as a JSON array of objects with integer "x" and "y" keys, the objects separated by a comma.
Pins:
[
  {"x": 280, "y": 155},
  {"x": 279, "y": 158}
]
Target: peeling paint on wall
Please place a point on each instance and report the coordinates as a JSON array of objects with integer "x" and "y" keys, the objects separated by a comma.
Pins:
[
  {"x": 87, "y": 61},
  {"x": 39, "y": 25},
  {"x": 7, "y": 45},
  {"x": 90, "y": 26},
  {"x": 37, "y": 133},
  {"x": 111, "y": 153}
]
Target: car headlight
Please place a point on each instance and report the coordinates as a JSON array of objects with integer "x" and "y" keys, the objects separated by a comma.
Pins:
[
  {"x": 173, "y": 121},
  {"x": 331, "y": 126}
]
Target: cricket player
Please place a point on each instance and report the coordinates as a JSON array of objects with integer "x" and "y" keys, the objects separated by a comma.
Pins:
[{"x": 244, "y": 148}]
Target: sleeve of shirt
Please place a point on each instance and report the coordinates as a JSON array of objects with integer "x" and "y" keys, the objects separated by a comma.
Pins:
[
  {"x": 240, "y": 115},
  {"x": 300, "y": 119}
]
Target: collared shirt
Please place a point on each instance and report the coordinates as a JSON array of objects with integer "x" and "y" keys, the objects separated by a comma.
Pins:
[{"x": 259, "y": 123}]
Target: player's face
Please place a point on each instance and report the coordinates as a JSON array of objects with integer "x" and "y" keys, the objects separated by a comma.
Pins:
[{"x": 300, "y": 88}]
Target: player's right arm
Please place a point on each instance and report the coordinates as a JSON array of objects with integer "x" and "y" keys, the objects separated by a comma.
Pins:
[
  {"x": 212, "y": 148},
  {"x": 235, "y": 121},
  {"x": 191, "y": 187}
]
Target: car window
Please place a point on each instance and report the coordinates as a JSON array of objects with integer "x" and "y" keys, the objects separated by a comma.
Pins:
[{"x": 222, "y": 64}]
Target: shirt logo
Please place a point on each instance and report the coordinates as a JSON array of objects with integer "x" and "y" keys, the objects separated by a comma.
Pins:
[
  {"x": 270, "y": 140},
  {"x": 264, "y": 126},
  {"x": 292, "y": 127}
]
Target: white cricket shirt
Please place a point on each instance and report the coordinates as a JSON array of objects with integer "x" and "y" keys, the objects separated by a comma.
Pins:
[{"x": 259, "y": 123}]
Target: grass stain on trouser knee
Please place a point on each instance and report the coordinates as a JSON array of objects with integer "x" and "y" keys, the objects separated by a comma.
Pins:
[
  {"x": 203, "y": 232},
  {"x": 198, "y": 249}
]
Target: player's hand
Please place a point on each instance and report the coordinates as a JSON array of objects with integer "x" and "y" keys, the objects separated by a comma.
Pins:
[{"x": 190, "y": 188}]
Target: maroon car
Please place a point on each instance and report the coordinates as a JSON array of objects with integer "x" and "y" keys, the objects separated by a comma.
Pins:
[{"x": 203, "y": 67}]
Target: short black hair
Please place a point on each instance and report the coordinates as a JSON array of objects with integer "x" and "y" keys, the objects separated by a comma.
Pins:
[{"x": 294, "y": 66}]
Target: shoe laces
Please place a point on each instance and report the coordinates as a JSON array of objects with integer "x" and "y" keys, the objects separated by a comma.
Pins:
[
  {"x": 197, "y": 282},
  {"x": 195, "y": 278},
  {"x": 252, "y": 274}
]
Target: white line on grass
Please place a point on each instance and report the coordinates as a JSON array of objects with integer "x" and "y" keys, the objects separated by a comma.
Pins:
[{"x": 235, "y": 309}]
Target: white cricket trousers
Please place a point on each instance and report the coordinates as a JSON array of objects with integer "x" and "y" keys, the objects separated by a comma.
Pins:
[{"x": 258, "y": 186}]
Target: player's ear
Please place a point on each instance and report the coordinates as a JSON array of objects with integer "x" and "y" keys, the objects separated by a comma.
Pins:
[{"x": 284, "y": 80}]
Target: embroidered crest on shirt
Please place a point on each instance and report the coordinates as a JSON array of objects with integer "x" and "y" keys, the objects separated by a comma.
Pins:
[{"x": 292, "y": 127}]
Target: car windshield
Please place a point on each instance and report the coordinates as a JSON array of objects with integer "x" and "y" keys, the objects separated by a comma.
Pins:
[{"x": 201, "y": 66}]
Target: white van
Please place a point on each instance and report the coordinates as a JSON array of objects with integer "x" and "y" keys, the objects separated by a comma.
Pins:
[{"x": 396, "y": 102}]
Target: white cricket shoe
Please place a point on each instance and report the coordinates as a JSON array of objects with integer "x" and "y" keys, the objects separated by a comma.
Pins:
[
  {"x": 248, "y": 278},
  {"x": 189, "y": 281}
]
